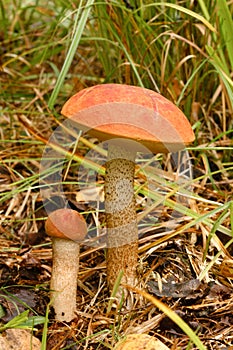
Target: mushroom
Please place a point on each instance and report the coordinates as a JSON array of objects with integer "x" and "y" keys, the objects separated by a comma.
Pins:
[
  {"x": 134, "y": 119},
  {"x": 66, "y": 227}
]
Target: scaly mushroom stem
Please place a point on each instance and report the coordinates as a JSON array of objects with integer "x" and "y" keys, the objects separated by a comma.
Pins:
[
  {"x": 122, "y": 232},
  {"x": 63, "y": 283}
]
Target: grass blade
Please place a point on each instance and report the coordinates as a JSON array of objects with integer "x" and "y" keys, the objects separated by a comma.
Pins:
[
  {"x": 187, "y": 12},
  {"x": 72, "y": 50},
  {"x": 172, "y": 315},
  {"x": 204, "y": 9},
  {"x": 226, "y": 27}
]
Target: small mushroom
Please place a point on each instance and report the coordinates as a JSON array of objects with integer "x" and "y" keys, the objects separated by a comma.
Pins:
[
  {"x": 134, "y": 119},
  {"x": 66, "y": 227}
]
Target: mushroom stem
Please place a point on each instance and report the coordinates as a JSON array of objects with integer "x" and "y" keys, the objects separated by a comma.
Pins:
[
  {"x": 122, "y": 232},
  {"x": 63, "y": 283}
]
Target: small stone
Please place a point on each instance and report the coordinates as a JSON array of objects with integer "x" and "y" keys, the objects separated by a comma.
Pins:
[
  {"x": 140, "y": 342},
  {"x": 19, "y": 339}
]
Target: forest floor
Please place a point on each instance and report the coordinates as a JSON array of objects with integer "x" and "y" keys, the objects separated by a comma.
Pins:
[{"x": 185, "y": 227}]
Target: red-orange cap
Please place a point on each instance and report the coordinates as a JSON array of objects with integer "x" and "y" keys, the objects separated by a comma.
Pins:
[
  {"x": 67, "y": 224},
  {"x": 130, "y": 112}
]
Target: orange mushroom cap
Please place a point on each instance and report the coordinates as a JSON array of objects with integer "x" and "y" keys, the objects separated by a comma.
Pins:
[
  {"x": 67, "y": 224},
  {"x": 111, "y": 111}
]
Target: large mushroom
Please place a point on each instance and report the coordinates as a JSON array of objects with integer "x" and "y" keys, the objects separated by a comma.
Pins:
[
  {"x": 133, "y": 119},
  {"x": 67, "y": 228}
]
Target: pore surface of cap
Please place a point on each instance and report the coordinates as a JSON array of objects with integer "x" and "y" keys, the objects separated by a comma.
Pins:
[{"x": 111, "y": 111}]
